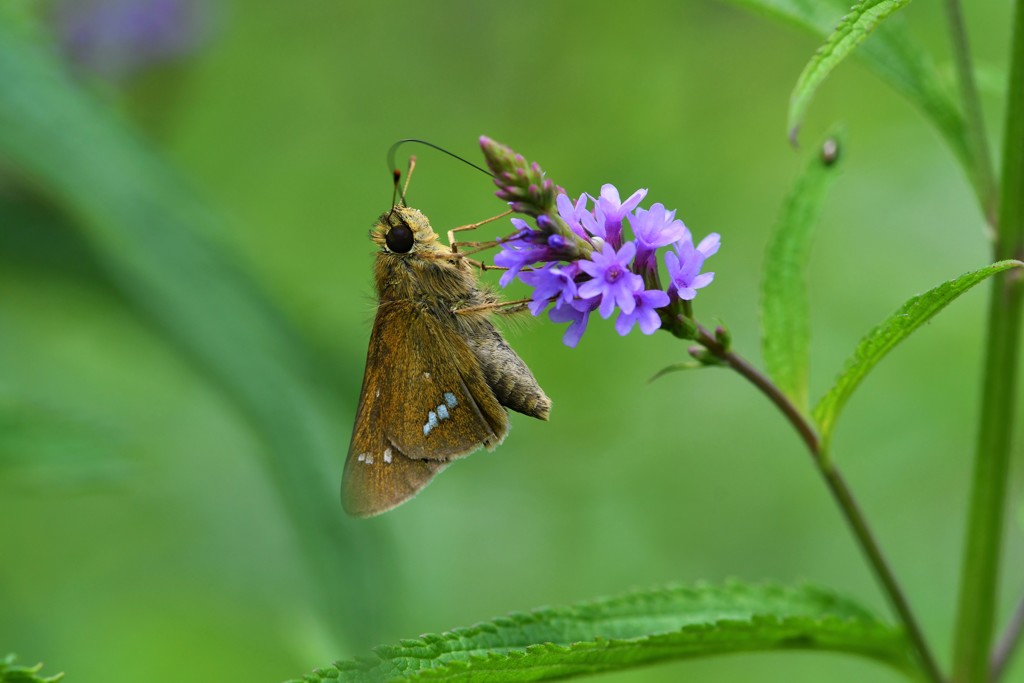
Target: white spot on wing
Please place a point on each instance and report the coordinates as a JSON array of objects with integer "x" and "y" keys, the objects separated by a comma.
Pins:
[
  {"x": 387, "y": 455},
  {"x": 430, "y": 423},
  {"x": 442, "y": 412},
  {"x": 369, "y": 459},
  {"x": 426, "y": 375},
  {"x": 450, "y": 399}
]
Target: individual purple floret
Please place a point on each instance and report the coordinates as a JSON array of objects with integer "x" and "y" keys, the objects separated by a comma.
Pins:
[
  {"x": 553, "y": 282},
  {"x": 572, "y": 213},
  {"x": 612, "y": 279},
  {"x": 527, "y": 246},
  {"x": 644, "y": 313},
  {"x": 684, "y": 265},
  {"x": 594, "y": 223},
  {"x": 614, "y": 211},
  {"x": 577, "y": 314},
  {"x": 709, "y": 245},
  {"x": 517, "y": 252},
  {"x": 654, "y": 228},
  {"x": 584, "y": 222}
]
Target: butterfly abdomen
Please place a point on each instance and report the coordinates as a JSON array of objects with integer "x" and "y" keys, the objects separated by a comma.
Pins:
[{"x": 508, "y": 376}]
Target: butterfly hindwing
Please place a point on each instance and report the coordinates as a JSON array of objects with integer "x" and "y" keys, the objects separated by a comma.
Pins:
[{"x": 424, "y": 402}]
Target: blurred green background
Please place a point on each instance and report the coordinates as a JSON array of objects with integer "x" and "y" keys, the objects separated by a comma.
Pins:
[{"x": 185, "y": 301}]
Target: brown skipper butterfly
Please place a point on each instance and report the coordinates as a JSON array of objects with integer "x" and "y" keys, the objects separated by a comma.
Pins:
[{"x": 439, "y": 375}]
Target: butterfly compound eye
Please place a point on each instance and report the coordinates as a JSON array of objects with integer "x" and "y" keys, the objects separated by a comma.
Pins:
[{"x": 399, "y": 239}]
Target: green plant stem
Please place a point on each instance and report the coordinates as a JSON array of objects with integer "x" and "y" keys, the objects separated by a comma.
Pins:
[
  {"x": 1008, "y": 643},
  {"x": 842, "y": 495},
  {"x": 979, "y": 580},
  {"x": 982, "y": 173}
]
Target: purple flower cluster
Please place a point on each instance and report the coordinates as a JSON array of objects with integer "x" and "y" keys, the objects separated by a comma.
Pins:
[{"x": 619, "y": 274}]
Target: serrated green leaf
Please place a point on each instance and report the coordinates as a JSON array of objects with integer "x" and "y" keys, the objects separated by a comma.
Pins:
[
  {"x": 882, "y": 339},
  {"x": 894, "y": 55},
  {"x": 638, "y": 628},
  {"x": 785, "y": 330},
  {"x": 862, "y": 20},
  {"x": 12, "y": 673}
]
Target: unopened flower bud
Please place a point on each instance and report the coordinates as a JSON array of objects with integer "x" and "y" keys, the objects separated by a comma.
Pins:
[{"x": 723, "y": 337}]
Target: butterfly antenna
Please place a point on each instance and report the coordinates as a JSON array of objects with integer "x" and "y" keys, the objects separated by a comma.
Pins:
[
  {"x": 394, "y": 148},
  {"x": 396, "y": 178}
]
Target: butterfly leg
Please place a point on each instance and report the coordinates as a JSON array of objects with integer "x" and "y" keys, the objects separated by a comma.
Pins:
[
  {"x": 486, "y": 266},
  {"x": 497, "y": 306},
  {"x": 472, "y": 226},
  {"x": 475, "y": 247},
  {"x": 481, "y": 265}
]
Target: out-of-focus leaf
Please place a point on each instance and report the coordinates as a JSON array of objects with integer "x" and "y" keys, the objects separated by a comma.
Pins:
[
  {"x": 855, "y": 27},
  {"x": 13, "y": 673},
  {"x": 634, "y": 630},
  {"x": 897, "y": 327},
  {"x": 157, "y": 240},
  {"x": 894, "y": 55},
  {"x": 990, "y": 78},
  {"x": 47, "y": 444},
  {"x": 785, "y": 329}
]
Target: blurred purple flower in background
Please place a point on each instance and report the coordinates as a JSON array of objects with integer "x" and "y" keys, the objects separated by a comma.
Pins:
[{"x": 117, "y": 39}]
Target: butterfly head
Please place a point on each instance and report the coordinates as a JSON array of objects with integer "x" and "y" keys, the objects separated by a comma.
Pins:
[{"x": 404, "y": 230}]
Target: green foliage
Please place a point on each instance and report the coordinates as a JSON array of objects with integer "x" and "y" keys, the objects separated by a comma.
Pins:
[
  {"x": 153, "y": 235},
  {"x": 264, "y": 121},
  {"x": 12, "y": 673},
  {"x": 637, "y": 628},
  {"x": 785, "y": 330},
  {"x": 883, "y": 338},
  {"x": 894, "y": 55},
  {"x": 36, "y": 438},
  {"x": 855, "y": 27}
]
